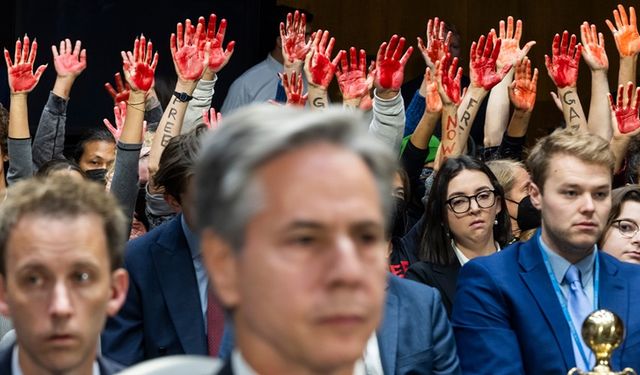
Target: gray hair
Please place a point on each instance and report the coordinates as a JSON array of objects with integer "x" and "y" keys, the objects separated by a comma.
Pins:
[{"x": 226, "y": 193}]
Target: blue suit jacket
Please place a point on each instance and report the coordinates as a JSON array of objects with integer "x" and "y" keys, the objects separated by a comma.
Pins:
[
  {"x": 162, "y": 314},
  {"x": 507, "y": 318},
  {"x": 107, "y": 367}
]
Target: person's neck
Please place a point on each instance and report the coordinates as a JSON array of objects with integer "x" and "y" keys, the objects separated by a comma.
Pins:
[
  {"x": 572, "y": 255},
  {"x": 515, "y": 229},
  {"x": 277, "y": 55},
  {"x": 30, "y": 367},
  {"x": 474, "y": 249}
]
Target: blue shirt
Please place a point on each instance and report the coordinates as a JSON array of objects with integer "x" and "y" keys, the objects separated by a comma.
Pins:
[{"x": 201, "y": 273}]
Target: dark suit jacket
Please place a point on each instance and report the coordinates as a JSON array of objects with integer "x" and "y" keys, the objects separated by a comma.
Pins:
[
  {"x": 162, "y": 313},
  {"x": 507, "y": 318},
  {"x": 443, "y": 278},
  {"x": 107, "y": 367},
  {"x": 415, "y": 336}
]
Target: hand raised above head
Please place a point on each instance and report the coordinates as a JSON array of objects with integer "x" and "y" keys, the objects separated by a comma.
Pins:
[
  {"x": 563, "y": 65},
  {"x": 593, "y": 50},
  {"x": 448, "y": 76},
  {"x": 121, "y": 92},
  {"x": 218, "y": 56},
  {"x": 483, "y": 63},
  {"x": 625, "y": 32},
  {"x": 189, "y": 55},
  {"x": 522, "y": 91},
  {"x": 624, "y": 112},
  {"x": 437, "y": 43},
  {"x": 293, "y": 36},
  {"x": 68, "y": 61},
  {"x": 318, "y": 66},
  {"x": 139, "y": 67},
  {"x": 293, "y": 88},
  {"x": 211, "y": 118},
  {"x": 353, "y": 80},
  {"x": 510, "y": 52},
  {"x": 22, "y": 79},
  {"x": 390, "y": 63}
]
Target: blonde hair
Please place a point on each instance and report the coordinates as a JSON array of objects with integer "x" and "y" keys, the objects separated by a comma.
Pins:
[
  {"x": 504, "y": 169},
  {"x": 587, "y": 147}
]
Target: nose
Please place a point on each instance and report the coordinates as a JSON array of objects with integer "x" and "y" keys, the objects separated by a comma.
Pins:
[
  {"x": 60, "y": 304},
  {"x": 346, "y": 265},
  {"x": 587, "y": 203}
]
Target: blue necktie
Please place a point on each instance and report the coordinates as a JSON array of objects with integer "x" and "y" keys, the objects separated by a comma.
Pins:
[{"x": 579, "y": 308}]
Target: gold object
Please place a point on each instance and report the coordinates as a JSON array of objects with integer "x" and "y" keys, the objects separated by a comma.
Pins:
[{"x": 603, "y": 332}]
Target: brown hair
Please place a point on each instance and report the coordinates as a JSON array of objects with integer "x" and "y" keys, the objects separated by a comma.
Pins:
[{"x": 618, "y": 197}]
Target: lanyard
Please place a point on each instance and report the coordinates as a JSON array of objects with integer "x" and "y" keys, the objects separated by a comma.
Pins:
[{"x": 562, "y": 298}]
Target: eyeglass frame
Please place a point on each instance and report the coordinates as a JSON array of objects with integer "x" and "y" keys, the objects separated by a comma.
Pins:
[
  {"x": 474, "y": 197},
  {"x": 616, "y": 224}
]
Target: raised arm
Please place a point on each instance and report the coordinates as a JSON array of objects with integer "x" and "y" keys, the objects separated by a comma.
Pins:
[
  {"x": 594, "y": 54},
  {"x": 627, "y": 40},
  {"x": 69, "y": 61},
  {"x": 388, "y": 119},
  {"x": 293, "y": 88},
  {"x": 319, "y": 68},
  {"x": 189, "y": 59},
  {"x": 448, "y": 76},
  {"x": 624, "y": 121},
  {"x": 522, "y": 94},
  {"x": 498, "y": 102},
  {"x": 352, "y": 77},
  {"x": 294, "y": 44},
  {"x": 562, "y": 67},
  {"x": 22, "y": 80}
]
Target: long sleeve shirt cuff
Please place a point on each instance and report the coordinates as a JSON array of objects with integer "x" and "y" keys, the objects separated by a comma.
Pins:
[{"x": 56, "y": 105}]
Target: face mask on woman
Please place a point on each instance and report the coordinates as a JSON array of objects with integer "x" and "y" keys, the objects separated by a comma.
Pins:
[{"x": 528, "y": 217}]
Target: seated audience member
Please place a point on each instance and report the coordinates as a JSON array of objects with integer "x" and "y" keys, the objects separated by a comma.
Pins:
[
  {"x": 61, "y": 167},
  {"x": 515, "y": 181},
  {"x": 95, "y": 154},
  {"x": 167, "y": 309},
  {"x": 464, "y": 219},
  {"x": 620, "y": 236},
  {"x": 61, "y": 243},
  {"x": 260, "y": 82},
  {"x": 299, "y": 260},
  {"x": 508, "y": 317}
]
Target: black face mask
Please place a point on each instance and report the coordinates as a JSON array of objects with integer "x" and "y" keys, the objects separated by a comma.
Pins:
[
  {"x": 528, "y": 216},
  {"x": 98, "y": 175},
  {"x": 399, "y": 218}
]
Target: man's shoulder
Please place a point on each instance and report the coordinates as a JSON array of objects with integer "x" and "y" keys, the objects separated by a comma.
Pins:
[
  {"x": 255, "y": 72},
  {"x": 505, "y": 257},
  {"x": 169, "y": 228},
  {"x": 109, "y": 367},
  {"x": 5, "y": 360},
  {"x": 400, "y": 286}
]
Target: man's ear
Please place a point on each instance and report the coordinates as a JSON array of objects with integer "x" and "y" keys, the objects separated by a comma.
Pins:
[
  {"x": 119, "y": 287},
  {"x": 536, "y": 196},
  {"x": 220, "y": 261},
  {"x": 4, "y": 306}
]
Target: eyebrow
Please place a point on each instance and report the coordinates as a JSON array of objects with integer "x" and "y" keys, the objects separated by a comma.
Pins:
[
  {"x": 479, "y": 189},
  {"x": 307, "y": 224},
  {"x": 582, "y": 187}
]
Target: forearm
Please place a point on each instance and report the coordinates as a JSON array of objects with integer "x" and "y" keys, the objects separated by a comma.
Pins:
[
  {"x": 132, "y": 129},
  {"x": 19, "y": 117},
  {"x": 599, "y": 121},
  {"x": 449, "y": 139},
  {"x": 421, "y": 136},
  {"x": 48, "y": 143},
  {"x": 62, "y": 86},
  {"x": 124, "y": 185},
  {"x": 152, "y": 111},
  {"x": 170, "y": 125},
  {"x": 415, "y": 111},
  {"x": 619, "y": 148},
  {"x": 202, "y": 97},
  {"x": 466, "y": 114},
  {"x": 388, "y": 119},
  {"x": 572, "y": 109},
  {"x": 318, "y": 97},
  {"x": 497, "y": 112},
  {"x": 519, "y": 123},
  {"x": 627, "y": 72}
]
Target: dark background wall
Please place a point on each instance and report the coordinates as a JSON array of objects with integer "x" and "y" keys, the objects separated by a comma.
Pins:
[{"x": 108, "y": 26}]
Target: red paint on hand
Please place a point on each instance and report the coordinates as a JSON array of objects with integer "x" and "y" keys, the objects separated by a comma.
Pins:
[
  {"x": 437, "y": 44},
  {"x": 625, "y": 32},
  {"x": 484, "y": 63},
  {"x": 432, "y": 100},
  {"x": 21, "y": 75},
  {"x": 352, "y": 78},
  {"x": 522, "y": 91},
  {"x": 294, "y": 45},
  {"x": 120, "y": 113},
  {"x": 563, "y": 65},
  {"x": 211, "y": 119},
  {"x": 319, "y": 68},
  {"x": 138, "y": 66},
  {"x": 189, "y": 57},
  {"x": 218, "y": 56},
  {"x": 449, "y": 80},
  {"x": 293, "y": 89},
  {"x": 625, "y": 111},
  {"x": 389, "y": 65},
  {"x": 122, "y": 95},
  {"x": 593, "y": 47},
  {"x": 69, "y": 61}
]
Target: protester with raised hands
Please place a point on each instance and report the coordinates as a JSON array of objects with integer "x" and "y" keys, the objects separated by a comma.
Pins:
[
  {"x": 22, "y": 80},
  {"x": 522, "y": 94},
  {"x": 448, "y": 76},
  {"x": 293, "y": 88},
  {"x": 625, "y": 122},
  {"x": 319, "y": 68},
  {"x": 353, "y": 80},
  {"x": 625, "y": 33},
  {"x": 595, "y": 57}
]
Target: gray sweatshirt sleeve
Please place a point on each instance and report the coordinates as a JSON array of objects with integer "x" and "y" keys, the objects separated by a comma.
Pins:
[
  {"x": 20, "y": 163},
  {"x": 152, "y": 113},
  {"x": 48, "y": 143},
  {"x": 124, "y": 184},
  {"x": 388, "y": 120},
  {"x": 202, "y": 96}
]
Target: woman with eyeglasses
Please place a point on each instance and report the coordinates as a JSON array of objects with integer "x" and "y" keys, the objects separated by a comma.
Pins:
[
  {"x": 465, "y": 218},
  {"x": 620, "y": 237}
]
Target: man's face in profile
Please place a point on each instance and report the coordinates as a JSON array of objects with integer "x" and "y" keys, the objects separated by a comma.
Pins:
[
  {"x": 58, "y": 289},
  {"x": 307, "y": 288}
]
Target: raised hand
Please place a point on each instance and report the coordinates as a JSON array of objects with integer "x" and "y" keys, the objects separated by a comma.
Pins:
[
  {"x": 293, "y": 89},
  {"x": 593, "y": 50},
  {"x": 139, "y": 68},
  {"x": 437, "y": 44},
  {"x": 189, "y": 55},
  {"x": 218, "y": 56},
  {"x": 510, "y": 51},
  {"x": 294, "y": 45},
  {"x": 211, "y": 119},
  {"x": 432, "y": 100},
  {"x": 563, "y": 65},
  {"x": 624, "y": 113},
  {"x": 352, "y": 77},
  {"x": 318, "y": 66},
  {"x": 483, "y": 63},
  {"x": 123, "y": 90},
  {"x": 21, "y": 75},
  {"x": 69, "y": 62},
  {"x": 389, "y": 65},
  {"x": 522, "y": 91},
  {"x": 120, "y": 113},
  {"x": 626, "y": 31},
  {"x": 448, "y": 79}
]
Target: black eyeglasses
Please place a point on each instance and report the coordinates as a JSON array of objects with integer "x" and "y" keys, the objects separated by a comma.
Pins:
[
  {"x": 627, "y": 228},
  {"x": 462, "y": 203}
]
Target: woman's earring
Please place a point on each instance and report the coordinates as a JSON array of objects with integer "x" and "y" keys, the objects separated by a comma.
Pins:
[{"x": 495, "y": 222}]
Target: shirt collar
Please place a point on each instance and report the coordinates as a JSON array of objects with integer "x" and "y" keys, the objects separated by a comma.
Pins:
[
  {"x": 16, "y": 370},
  {"x": 274, "y": 64},
  {"x": 241, "y": 367},
  {"x": 560, "y": 265},
  {"x": 192, "y": 239},
  {"x": 463, "y": 258}
]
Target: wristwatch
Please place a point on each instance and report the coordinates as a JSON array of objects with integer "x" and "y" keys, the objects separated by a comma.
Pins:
[{"x": 182, "y": 96}]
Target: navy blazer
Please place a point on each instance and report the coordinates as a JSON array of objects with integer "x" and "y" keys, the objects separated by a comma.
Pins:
[
  {"x": 162, "y": 313},
  {"x": 507, "y": 318},
  {"x": 106, "y": 366}
]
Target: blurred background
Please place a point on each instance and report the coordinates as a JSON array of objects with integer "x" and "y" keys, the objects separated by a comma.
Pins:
[{"x": 108, "y": 26}]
